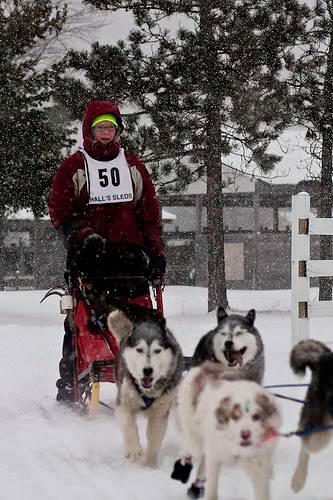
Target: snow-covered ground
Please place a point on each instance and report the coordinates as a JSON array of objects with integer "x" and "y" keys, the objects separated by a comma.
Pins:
[{"x": 48, "y": 452}]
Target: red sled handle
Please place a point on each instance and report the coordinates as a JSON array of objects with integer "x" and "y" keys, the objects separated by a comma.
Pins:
[{"x": 158, "y": 294}]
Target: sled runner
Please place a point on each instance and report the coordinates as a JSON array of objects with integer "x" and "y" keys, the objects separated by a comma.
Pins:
[{"x": 85, "y": 301}]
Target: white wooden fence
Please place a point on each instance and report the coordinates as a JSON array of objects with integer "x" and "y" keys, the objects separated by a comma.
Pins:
[{"x": 302, "y": 308}]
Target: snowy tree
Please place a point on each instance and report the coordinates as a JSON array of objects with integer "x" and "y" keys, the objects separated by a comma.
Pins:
[
  {"x": 32, "y": 131},
  {"x": 210, "y": 91},
  {"x": 311, "y": 80}
]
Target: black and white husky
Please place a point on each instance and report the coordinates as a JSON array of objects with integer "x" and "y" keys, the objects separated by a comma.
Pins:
[
  {"x": 317, "y": 411},
  {"x": 235, "y": 342},
  {"x": 148, "y": 370}
]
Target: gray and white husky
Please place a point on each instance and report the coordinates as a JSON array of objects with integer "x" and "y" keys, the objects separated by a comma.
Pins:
[
  {"x": 317, "y": 411},
  {"x": 148, "y": 370},
  {"x": 236, "y": 343}
]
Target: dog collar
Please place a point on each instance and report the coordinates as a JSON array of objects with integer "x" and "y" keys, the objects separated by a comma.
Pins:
[
  {"x": 271, "y": 434},
  {"x": 147, "y": 401}
]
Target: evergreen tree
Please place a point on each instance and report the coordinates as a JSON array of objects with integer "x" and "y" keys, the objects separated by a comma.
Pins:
[
  {"x": 212, "y": 90},
  {"x": 32, "y": 128},
  {"x": 312, "y": 86}
]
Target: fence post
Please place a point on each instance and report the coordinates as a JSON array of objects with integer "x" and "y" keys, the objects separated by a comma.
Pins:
[{"x": 300, "y": 254}]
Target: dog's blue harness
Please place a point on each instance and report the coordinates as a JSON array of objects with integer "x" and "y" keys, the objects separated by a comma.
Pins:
[{"x": 147, "y": 401}]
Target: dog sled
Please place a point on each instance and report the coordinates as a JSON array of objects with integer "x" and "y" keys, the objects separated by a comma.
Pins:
[{"x": 114, "y": 282}]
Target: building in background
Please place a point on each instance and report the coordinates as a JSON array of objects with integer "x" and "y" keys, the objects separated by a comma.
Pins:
[{"x": 257, "y": 219}]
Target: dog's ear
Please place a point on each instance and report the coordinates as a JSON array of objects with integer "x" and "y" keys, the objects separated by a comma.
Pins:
[
  {"x": 221, "y": 313},
  {"x": 251, "y": 316},
  {"x": 162, "y": 322},
  {"x": 164, "y": 330},
  {"x": 266, "y": 404},
  {"x": 130, "y": 340},
  {"x": 222, "y": 412}
]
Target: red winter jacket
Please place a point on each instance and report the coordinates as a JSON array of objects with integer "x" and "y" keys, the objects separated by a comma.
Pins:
[{"x": 133, "y": 222}]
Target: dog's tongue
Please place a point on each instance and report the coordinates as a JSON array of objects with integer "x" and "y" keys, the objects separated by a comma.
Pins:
[
  {"x": 239, "y": 358},
  {"x": 147, "y": 382},
  {"x": 236, "y": 356}
]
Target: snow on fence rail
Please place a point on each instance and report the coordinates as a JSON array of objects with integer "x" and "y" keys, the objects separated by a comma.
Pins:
[{"x": 303, "y": 268}]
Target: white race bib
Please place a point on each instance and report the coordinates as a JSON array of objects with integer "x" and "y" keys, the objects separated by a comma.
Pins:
[{"x": 108, "y": 181}]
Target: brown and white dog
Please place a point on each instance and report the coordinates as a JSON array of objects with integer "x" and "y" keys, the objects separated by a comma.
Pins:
[
  {"x": 317, "y": 411},
  {"x": 225, "y": 419}
]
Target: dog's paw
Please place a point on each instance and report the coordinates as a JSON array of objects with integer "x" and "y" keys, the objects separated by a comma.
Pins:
[
  {"x": 151, "y": 461},
  {"x": 195, "y": 491},
  {"x": 134, "y": 455},
  {"x": 298, "y": 480}
]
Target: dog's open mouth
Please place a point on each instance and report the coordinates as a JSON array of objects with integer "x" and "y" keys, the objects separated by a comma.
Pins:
[
  {"x": 147, "y": 382},
  {"x": 234, "y": 357}
]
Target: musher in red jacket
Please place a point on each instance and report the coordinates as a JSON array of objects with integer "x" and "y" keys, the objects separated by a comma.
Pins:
[{"x": 103, "y": 202}]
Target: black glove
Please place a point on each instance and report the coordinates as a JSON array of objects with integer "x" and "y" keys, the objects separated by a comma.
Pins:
[
  {"x": 91, "y": 250},
  {"x": 157, "y": 268}
]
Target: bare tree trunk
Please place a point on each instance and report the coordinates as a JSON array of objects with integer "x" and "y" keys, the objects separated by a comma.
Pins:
[
  {"x": 325, "y": 209},
  {"x": 217, "y": 294}
]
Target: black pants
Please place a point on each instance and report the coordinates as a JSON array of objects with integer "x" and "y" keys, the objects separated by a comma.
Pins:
[{"x": 66, "y": 365}]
